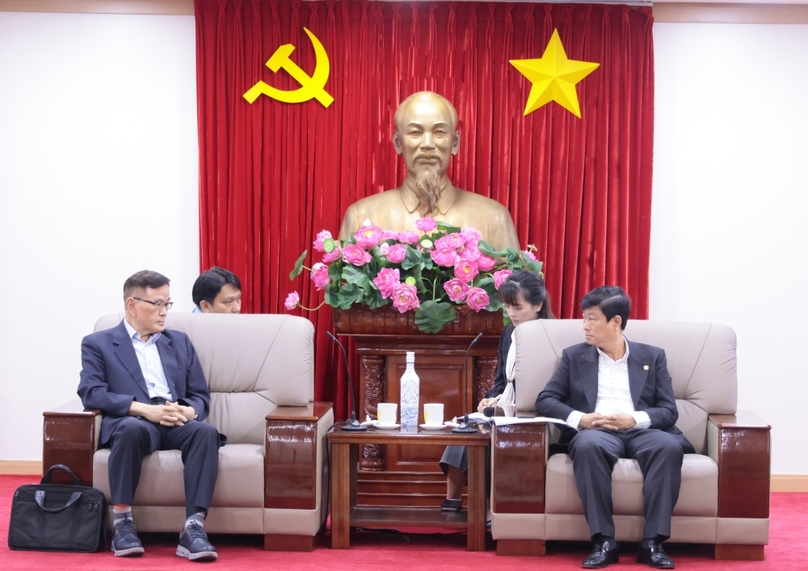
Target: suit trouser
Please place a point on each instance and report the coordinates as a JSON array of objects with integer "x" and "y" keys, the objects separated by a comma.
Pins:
[
  {"x": 594, "y": 453},
  {"x": 134, "y": 438}
]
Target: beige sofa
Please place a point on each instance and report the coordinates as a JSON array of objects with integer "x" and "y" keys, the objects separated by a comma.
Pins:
[
  {"x": 724, "y": 498},
  {"x": 273, "y": 470}
]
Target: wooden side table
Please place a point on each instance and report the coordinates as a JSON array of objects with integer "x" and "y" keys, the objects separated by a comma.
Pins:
[{"x": 344, "y": 509}]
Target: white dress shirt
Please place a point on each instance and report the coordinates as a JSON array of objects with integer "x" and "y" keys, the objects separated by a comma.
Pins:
[
  {"x": 614, "y": 392},
  {"x": 150, "y": 364}
]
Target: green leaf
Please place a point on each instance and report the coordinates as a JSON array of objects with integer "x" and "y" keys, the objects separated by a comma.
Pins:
[
  {"x": 413, "y": 258},
  {"x": 489, "y": 250},
  {"x": 432, "y": 316},
  {"x": 332, "y": 296},
  {"x": 374, "y": 299},
  {"x": 356, "y": 276},
  {"x": 529, "y": 264},
  {"x": 298, "y": 265},
  {"x": 348, "y": 295},
  {"x": 447, "y": 228},
  {"x": 485, "y": 283}
]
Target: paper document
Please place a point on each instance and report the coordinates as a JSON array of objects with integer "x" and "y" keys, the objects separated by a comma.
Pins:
[{"x": 505, "y": 420}]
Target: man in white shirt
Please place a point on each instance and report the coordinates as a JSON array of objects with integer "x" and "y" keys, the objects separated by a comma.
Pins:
[{"x": 617, "y": 398}]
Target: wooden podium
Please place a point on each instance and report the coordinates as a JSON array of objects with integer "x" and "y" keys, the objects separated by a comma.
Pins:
[{"x": 402, "y": 474}]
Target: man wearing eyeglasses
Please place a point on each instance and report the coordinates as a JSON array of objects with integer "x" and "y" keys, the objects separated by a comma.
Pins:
[{"x": 148, "y": 383}]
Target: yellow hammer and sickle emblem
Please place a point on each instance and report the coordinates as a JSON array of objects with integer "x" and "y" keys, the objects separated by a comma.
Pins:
[{"x": 310, "y": 87}]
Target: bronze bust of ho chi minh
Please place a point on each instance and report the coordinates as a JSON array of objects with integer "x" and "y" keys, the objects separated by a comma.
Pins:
[{"x": 426, "y": 136}]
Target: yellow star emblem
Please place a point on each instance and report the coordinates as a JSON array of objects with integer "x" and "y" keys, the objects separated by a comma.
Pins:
[{"x": 554, "y": 77}]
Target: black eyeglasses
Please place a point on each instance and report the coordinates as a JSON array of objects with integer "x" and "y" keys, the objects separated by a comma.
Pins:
[{"x": 159, "y": 304}]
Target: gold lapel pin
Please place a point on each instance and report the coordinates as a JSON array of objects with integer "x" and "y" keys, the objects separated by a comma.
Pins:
[{"x": 645, "y": 367}]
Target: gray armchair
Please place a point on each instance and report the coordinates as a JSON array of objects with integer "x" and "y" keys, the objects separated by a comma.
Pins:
[
  {"x": 724, "y": 498},
  {"x": 273, "y": 470}
]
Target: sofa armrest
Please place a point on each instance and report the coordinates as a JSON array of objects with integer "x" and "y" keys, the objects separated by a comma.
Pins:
[
  {"x": 518, "y": 466},
  {"x": 70, "y": 437},
  {"x": 293, "y": 446},
  {"x": 741, "y": 446}
]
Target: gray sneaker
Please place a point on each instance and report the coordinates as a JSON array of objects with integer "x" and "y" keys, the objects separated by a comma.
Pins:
[
  {"x": 194, "y": 544},
  {"x": 125, "y": 542}
]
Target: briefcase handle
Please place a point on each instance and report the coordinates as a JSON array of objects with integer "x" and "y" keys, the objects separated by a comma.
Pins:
[
  {"x": 39, "y": 496},
  {"x": 46, "y": 478}
]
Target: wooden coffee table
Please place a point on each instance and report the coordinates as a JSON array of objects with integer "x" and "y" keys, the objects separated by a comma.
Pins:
[{"x": 345, "y": 513}]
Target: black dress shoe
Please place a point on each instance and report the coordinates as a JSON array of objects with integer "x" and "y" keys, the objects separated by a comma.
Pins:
[
  {"x": 654, "y": 556},
  {"x": 451, "y": 505},
  {"x": 601, "y": 556}
]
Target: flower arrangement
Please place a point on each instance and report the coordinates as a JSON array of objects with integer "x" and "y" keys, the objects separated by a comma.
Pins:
[{"x": 430, "y": 271}]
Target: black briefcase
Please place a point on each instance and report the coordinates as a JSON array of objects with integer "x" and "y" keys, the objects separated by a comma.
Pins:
[{"x": 54, "y": 517}]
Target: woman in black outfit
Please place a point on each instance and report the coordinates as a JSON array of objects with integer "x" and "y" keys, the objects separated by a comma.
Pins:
[{"x": 525, "y": 299}]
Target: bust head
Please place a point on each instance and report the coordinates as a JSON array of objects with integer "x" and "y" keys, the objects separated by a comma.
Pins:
[{"x": 427, "y": 137}]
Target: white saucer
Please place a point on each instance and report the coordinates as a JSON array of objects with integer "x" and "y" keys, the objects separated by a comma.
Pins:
[
  {"x": 432, "y": 426},
  {"x": 387, "y": 426}
]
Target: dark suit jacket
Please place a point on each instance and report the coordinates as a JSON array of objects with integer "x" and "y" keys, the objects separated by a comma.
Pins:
[
  {"x": 574, "y": 386},
  {"x": 111, "y": 377}
]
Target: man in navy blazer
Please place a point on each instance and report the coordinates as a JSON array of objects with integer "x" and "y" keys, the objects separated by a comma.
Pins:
[
  {"x": 148, "y": 384},
  {"x": 617, "y": 399}
]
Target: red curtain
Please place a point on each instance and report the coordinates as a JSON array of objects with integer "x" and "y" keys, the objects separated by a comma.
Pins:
[{"x": 274, "y": 174}]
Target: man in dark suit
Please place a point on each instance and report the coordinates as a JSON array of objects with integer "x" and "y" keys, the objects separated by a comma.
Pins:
[
  {"x": 617, "y": 398},
  {"x": 148, "y": 384}
]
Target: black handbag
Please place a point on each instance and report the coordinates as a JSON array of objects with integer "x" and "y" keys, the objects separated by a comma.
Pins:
[{"x": 54, "y": 517}]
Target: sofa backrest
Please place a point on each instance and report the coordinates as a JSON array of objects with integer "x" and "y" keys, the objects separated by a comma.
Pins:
[
  {"x": 701, "y": 361},
  {"x": 252, "y": 364}
]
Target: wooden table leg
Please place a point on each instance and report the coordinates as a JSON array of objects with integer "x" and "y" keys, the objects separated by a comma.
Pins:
[
  {"x": 343, "y": 493},
  {"x": 476, "y": 498}
]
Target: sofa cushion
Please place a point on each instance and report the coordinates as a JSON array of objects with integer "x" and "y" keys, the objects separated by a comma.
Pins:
[
  {"x": 240, "y": 482},
  {"x": 698, "y": 495}
]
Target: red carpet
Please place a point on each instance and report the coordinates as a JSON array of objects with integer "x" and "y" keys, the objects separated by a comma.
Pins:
[{"x": 374, "y": 551}]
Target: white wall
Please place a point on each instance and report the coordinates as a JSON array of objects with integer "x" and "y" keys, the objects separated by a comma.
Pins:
[
  {"x": 98, "y": 179},
  {"x": 729, "y": 239}
]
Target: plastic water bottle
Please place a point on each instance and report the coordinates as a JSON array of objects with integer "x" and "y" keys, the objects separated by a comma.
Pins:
[{"x": 410, "y": 393}]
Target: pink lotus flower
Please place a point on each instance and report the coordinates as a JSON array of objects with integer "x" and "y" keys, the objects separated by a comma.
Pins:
[
  {"x": 426, "y": 224},
  {"x": 384, "y": 248},
  {"x": 470, "y": 254},
  {"x": 477, "y": 299},
  {"x": 397, "y": 253},
  {"x": 451, "y": 242},
  {"x": 319, "y": 275},
  {"x": 291, "y": 301},
  {"x": 368, "y": 237},
  {"x": 387, "y": 280},
  {"x": 456, "y": 289},
  {"x": 529, "y": 254},
  {"x": 445, "y": 257},
  {"x": 322, "y": 236},
  {"x": 405, "y": 297},
  {"x": 486, "y": 263},
  {"x": 332, "y": 256},
  {"x": 354, "y": 254},
  {"x": 471, "y": 236},
  {"x": 500, "y": 277},
  {"x": 466, "y": 271},
  {"x": 389, "y": 235},
  {"x": 408, "y": 237}
]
